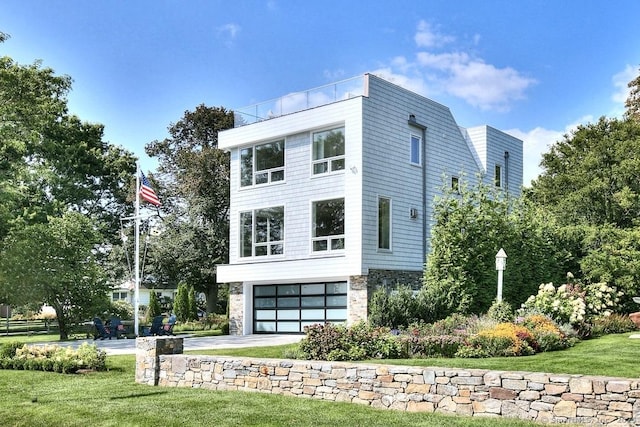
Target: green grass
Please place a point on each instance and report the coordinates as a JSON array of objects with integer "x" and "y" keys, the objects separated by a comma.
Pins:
[
  {"x": 113, "y": 399},
  {"x": 611, "y": 355}
]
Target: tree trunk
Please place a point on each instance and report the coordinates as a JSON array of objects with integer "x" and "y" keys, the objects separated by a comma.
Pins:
[
  {"x": 62, "y": 324},
  {"x": 212, "y": 296}
]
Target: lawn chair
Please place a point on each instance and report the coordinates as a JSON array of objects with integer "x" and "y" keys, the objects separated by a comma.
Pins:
[
  {"x": 116, "y": 328},
  {"x": 101, "y": 331},
  {"x": 156, "y": 325},
  {"x": 167, "y": 328}
]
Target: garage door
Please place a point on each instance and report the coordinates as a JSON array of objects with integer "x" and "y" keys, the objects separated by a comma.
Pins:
[{"x": 289, "y": 308}]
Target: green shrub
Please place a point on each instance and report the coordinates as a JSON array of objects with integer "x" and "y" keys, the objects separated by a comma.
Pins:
[
  {"x": 395, "y": 309},
  {"x": 8, "y": 349},
  {"x": 337, "y": 342},
  {"x": 501, "y": 311},
  {"x": 612, "y": 324},
  {"x": 431, "y": 345},
  {"x": 55, "y": 358}
]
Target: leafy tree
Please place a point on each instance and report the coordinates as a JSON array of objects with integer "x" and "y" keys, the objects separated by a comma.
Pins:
[
  {"x": 194, "y": 176},
  {"x": 181, "y": 303},
  {"x": 591, "y": 176},
  {"x": 633, "y": 100},
  {"x": 193, "y": 307},
  {"x": 55, "y": 263},
  {"x": 470, "y": 227},
  {"x": 154, "y": 305},
  {"x": 51, "y": 162}
]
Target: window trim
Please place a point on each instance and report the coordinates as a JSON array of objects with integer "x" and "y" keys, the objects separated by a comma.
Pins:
[
  {"x": 269, "y": 172},
  {"x": 329, "y": 239},
  {"x": 389, "y": 230},
  {"x": 329, "y": 161},
  {"x": 418, "y": 138},
  {"x": 268, "y": 243}
]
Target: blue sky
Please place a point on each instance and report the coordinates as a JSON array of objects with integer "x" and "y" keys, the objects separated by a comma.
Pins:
[{"x": 535, "y": 69}]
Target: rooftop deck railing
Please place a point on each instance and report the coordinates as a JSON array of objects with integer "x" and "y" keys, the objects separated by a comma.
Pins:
[{"x": 299, "y": 101}]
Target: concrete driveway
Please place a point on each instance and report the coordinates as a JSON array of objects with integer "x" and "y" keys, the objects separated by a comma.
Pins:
[{"x": 128, "y": 346}]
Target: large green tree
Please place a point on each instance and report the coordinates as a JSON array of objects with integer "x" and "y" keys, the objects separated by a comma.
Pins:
[
  {"x": 52, "y": 163},
  {"x": 56, "y": 263},
  {"x": 194, "y": 176},
  {"x": 470, "y": 227},
  {"x": 591, "y": 176}
]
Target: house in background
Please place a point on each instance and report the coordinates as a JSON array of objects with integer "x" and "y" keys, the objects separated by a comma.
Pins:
[
  {"x": 126, "y": 292},
  {"x": 332, "y": 195}
]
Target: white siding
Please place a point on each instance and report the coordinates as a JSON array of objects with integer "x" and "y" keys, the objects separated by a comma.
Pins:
[
  {"x": 388, "y": 170},
  {"x": 297, "y": 192},
  {"x": 377, "y": 163}
]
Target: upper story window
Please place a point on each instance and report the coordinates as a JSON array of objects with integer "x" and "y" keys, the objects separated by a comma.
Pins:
[
  {"x": 328, "y": 225},
  {"x": 497, "y": 176},
  {"x": 262, "y": 232},
  {"x": 416, "y": 150},
  {"x": 384, "y": 223},
  {"x": 455, "y": 184},
  {"x": 328, "y": 151},
  {"x": 262, "y": 164}
]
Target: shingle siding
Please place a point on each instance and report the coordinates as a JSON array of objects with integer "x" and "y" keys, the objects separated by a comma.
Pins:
[{"x": 377, "y": 163}]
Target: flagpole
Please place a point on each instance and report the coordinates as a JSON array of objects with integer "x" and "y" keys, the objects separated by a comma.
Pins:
[{"x": 136, "y": 304}]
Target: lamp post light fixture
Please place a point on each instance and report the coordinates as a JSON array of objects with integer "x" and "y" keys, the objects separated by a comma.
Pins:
[{"x": 501, "y": 264}]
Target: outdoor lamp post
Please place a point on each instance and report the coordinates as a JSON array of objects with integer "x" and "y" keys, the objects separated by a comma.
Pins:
[{"x": 501, "y": 264}]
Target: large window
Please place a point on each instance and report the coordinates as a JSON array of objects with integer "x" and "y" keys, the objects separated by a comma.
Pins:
[
  {"x": 328, "y": 225},
  {"x": 384, "y": 223},
  {"x": 262, "y": 164},
  {"x": 328, "y": 151},
  {"x": 289, "y": 308},
  {"x": 497, "y": 176},
  {"x": 262, "y": 232},
  {"x": 416, "y": 149}
]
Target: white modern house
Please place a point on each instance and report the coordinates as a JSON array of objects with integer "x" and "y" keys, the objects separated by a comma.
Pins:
[{"x": 332, "y": 195}]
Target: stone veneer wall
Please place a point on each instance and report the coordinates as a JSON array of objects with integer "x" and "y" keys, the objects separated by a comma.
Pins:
[
  {"x": 534, "y": 396},
  {"x": 358, "y": 303},
  {"x": 390, "y": 279},
  {"x": 236, "y": 308}
]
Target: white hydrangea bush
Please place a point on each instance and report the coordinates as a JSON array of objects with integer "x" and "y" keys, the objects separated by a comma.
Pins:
[{"x": 573, "y": 303}]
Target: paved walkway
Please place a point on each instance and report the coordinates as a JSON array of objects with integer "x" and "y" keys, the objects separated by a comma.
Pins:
[{"x": 128, "y": 346}]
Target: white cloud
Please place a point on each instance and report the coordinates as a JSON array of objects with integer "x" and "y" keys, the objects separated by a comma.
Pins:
[
  {"x": 427, "y": 37},
  {"x": 620, "y": 82},
  {"x": 457, "y": 73}
]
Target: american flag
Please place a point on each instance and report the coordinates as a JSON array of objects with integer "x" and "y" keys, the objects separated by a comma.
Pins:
[{"x": 147, "y": 193}]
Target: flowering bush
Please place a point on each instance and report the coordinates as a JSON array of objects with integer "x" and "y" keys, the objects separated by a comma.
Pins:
[
  {"x": 573, "y": 303},
  {"x": 601, "y": 299},
  {"x": 54, "y": 358},
  {"x": 505, "y": 339},
  {"x": 564, "y": 304},
  {"x": 547, "y": 335}
]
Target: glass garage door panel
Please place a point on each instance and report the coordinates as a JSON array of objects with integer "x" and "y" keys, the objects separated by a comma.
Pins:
[{"x": 289, "y": 308}]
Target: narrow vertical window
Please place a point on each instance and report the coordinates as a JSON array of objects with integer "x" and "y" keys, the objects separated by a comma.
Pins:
[
  {"x": 416, "y": 145},
  {"x": 384, "y": 223},
  {"x": 497, "y": 177},
  {"x": 455, "y": 184}
]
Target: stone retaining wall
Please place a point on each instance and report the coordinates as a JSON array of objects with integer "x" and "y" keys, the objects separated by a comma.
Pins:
[{"x": 473, "y": 392}]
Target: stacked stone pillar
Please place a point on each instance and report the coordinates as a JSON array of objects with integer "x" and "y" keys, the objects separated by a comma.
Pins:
[{"x": 148, "y": 352}]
